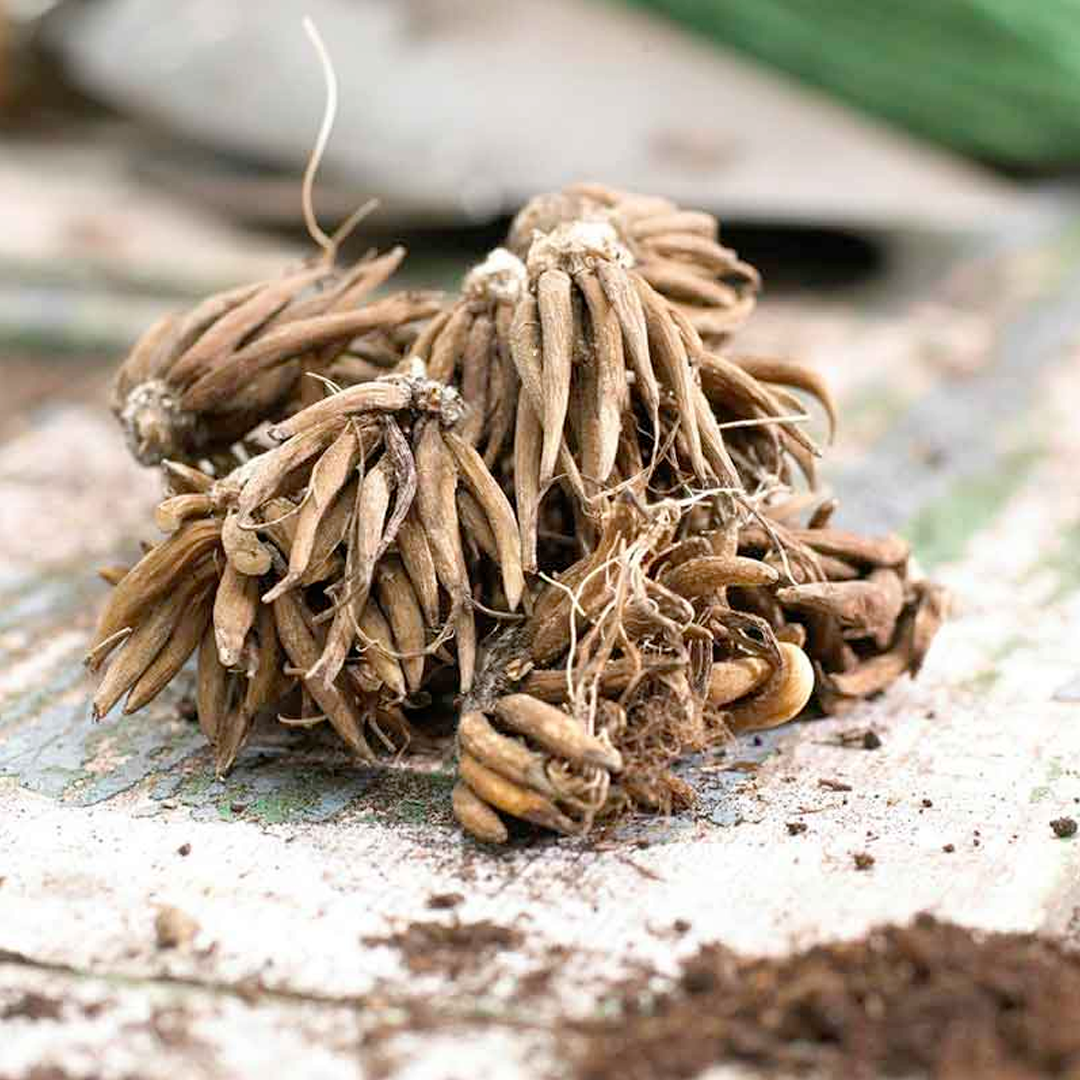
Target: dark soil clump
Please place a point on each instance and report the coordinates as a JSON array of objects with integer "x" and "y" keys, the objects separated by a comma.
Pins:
[
  {"x": 449, "y": 949},
  {"x": 931, "y": 998},
  {"x": 833, "y": 785},
  {"x": 1064, "y": 827},
  {"x": 32, "y": 1006},
  {"x": 445, "y": 901}
]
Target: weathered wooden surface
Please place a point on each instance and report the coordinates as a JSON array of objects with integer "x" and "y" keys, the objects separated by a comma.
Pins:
[{"x": 961, "y": 384}]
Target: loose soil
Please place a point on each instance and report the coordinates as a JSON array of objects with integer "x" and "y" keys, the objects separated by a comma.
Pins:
[
  {"x": 927, "y": 999},
  {"x": 449, "y": 949},
  {"x": 1064, "y": 827},
  {"x": 32, "y": 1006}
]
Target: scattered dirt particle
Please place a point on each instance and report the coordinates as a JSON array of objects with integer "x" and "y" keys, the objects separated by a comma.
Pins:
[
  {"x": 250, "y": 988},
  {"x": 795, "y": 828},
  {"x": 451, "y": 949},
  {"x": 680, "y": 927},
  {"x": 864, "y": 739},
  {"x": 184, "y": 850},
  {"x": 949, "y": 849},
  {"x": 927, "y": 803},
  {"x": 931, "y": 999},
  {"x": 534, "y": 984},
  {"x": 833, "y": 785},
  {"x": 32, "y": 1006},
  {"x": 186, "y": 709},
  {"x": 644, "y": 871},
  {"x": 171, "y": 1025},
  {"x": 444, "y": 901},
  {"x": 173, "y": 928},
  {"x": 1064, "y": 827},
  {"x": 537, "y": 983},
  {"x": 863, "y": 860}
]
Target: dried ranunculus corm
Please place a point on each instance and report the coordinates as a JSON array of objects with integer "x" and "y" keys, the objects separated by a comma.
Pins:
[{"x": 562, "y": 500}]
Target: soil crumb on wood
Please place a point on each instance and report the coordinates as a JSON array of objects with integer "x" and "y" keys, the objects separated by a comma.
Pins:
[
  {"x": 32, "y": 1006},
  {"x": 173, "y": 928},
  {"x": 866, "y": 739},
  {"x": 833, "y": 785},
  {"x": 444, "y": 901},
  {"x": 931, "y": 998},
  {"x": 449, "y": 949},
  {"x": 1064, "y": 827}
]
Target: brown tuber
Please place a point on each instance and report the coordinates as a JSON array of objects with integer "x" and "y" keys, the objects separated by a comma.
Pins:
[{"x": 558, "y": 495}]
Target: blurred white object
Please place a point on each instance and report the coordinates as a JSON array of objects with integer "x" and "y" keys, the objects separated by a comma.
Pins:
[{"x": 461, "y": 109}]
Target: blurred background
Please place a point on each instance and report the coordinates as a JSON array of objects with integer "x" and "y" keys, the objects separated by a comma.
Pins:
[{"x": 151, "y": 150}]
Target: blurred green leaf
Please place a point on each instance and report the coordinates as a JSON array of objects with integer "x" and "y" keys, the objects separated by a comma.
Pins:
[{"x": 999, "y": 79}]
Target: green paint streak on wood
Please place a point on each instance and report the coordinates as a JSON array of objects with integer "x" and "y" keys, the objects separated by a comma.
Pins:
[
  {"x": 871, "y": 409},
  {"x": 1062, "y": 565},
  {"x": 1063, "y": 252},
  {"x": 20, "y": 705},
  {"x": 403, "y": 797},
  {"x": 285, "y": 805},
  {"x": 280, "y": 807},
  {"x": 396, "y": 797},
  {"x": 941, "y": 531},
  {"x": 982, "y": 682},
  {"x": 1054, "y": 772},
  {"x": 274, "y": 808},
  {"x": 266, "y": 792}
]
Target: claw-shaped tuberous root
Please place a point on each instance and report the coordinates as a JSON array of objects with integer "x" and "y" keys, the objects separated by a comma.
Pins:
[
  {"x": 476, "y": 817},
  {"x": 731, "y": 680},
  {"x": 513, "y": 799},
  {"x": 781, "y": 698},
  {"x": 542, "y": 767}
]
